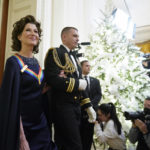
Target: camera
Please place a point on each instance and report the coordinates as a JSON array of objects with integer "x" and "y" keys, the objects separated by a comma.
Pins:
[
  {"x": 142, "y": 115},
  {"x": 134, "y": 115},
  {"x": 147, "y": 55}
]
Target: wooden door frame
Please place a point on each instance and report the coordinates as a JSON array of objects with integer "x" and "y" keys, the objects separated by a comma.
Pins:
[{"x": 3, "y": 36}]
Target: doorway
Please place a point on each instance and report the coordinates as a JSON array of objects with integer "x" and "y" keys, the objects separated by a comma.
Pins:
[{"x": 3, "y": 33}]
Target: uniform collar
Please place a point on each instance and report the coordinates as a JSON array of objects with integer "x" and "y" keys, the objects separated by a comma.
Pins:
[
  {"x": 83, "y": 76},
  {"x": 68, "y": 50}
]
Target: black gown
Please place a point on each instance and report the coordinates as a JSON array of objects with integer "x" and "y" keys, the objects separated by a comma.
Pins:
[{"x": 21, "y": 95}]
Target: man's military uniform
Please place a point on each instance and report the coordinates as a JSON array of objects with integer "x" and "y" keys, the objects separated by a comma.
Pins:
[{"x": 67, "y": 100}]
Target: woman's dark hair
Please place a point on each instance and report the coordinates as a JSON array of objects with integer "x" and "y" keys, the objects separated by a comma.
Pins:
[
  {"x": 109, "y": 108},
  {"x": 18, "y": 28}
]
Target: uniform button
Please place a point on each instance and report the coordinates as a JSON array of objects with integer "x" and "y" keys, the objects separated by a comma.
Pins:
[
  {"x": 67, "y": 82},
  {"x": 75, "y": 97}
]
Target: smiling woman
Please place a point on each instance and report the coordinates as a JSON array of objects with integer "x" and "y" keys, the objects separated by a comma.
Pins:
[
  {"x": 26, "y": 35},
  {"x": 22, "y": 92},
  {"x": 29, "y": 38}
]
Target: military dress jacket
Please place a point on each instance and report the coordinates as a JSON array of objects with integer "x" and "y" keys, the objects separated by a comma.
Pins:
[{"x": 65, "y": 90}]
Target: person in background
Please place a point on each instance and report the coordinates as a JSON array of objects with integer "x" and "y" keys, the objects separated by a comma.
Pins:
[
  {"x": 146, "y": 64},
  {"x": 140, "y": 130},
  {"x": 23, "y": 125},
  {"x": 63, "y": 74},
  {"x": 95, "y": 94},
  {"x": 112, "y": 132}
]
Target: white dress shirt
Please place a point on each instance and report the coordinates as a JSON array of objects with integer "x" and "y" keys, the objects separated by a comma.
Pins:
[
  {"x": 88, "y": 80},
  {"x": 110, "y": 136}
]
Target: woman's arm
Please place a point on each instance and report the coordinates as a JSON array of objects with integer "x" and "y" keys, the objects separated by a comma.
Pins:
[{"x": 23, "y": 141}]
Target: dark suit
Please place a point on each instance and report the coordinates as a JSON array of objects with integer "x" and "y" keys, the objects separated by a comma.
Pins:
[
  {"x": 66, "y": 99},
  {"x": 87, "y": 129}
]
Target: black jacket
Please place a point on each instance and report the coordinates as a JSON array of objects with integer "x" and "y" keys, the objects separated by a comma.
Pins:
[
  {"x": 95, "y": 93},
  {"x": 65, "y": 90}
]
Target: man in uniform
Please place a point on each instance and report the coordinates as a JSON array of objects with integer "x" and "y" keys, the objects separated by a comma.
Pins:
[{"x": 63, "y": 74}]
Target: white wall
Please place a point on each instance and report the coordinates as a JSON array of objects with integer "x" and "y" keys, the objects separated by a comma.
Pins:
[
  {"x": 139, "y": 10},
  {"x": 44, "y": 15},
  {"x": 78, "y": 13}
]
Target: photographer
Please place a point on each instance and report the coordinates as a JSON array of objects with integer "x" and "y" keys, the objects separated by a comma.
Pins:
[
  {"x": 146, "y": 62},
  {"x": 139, "y": 131}
]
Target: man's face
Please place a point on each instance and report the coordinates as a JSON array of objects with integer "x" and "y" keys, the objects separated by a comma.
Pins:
[
  {"x": 147, "y": 104},
  {"x": 86, "y": 68},
  {"x": 71, "y": 39}
]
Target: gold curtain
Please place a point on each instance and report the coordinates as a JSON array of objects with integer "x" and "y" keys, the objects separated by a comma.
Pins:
[{"x": 145, "y": 46}]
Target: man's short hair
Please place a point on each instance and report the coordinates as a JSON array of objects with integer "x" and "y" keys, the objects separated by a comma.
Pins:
[
  {"x": 66, "y": 29},
  {"x": 84, "y": 61},
  {"x": 147, "y": 98}
]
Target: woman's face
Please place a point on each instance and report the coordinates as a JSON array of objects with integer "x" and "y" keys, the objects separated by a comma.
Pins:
[
  {"x": 29, "y": 35},
  {"x": 102, "y": 117}
]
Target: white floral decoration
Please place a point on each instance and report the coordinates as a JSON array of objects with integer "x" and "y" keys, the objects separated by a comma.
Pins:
[{"x": 116, "y": 62}]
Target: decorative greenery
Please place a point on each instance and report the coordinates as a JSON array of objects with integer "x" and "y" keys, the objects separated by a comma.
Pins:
[{"x": 116, "y": 62}]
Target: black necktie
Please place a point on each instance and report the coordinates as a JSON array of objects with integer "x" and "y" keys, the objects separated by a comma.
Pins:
[
  {"x": 86, "y": 79},
  {"x": 71, "y": 53}
]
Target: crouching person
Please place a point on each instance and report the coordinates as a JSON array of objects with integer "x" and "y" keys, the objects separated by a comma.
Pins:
[{"x": 109, "y": 129}]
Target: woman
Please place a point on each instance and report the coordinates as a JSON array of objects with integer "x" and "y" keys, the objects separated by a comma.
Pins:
[
  {"x": 111, "y": 133},
  {"x": 23, "y": 124}
]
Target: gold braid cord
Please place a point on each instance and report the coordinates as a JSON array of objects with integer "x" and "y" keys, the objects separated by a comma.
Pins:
[
  {"x": 68, "y": 67},
  {"x": 71, "y": 85},
  {"x": 85, "y": 101}
]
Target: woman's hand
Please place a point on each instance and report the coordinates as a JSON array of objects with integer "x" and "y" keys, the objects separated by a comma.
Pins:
[
  {"x": 23, "y": 141},
  {"x": 24, "y": 144},
  {"x": 45, "y": 88}
]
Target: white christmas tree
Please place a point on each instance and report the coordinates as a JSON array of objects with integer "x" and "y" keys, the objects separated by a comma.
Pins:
[{"x": 116, "y": 62}]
